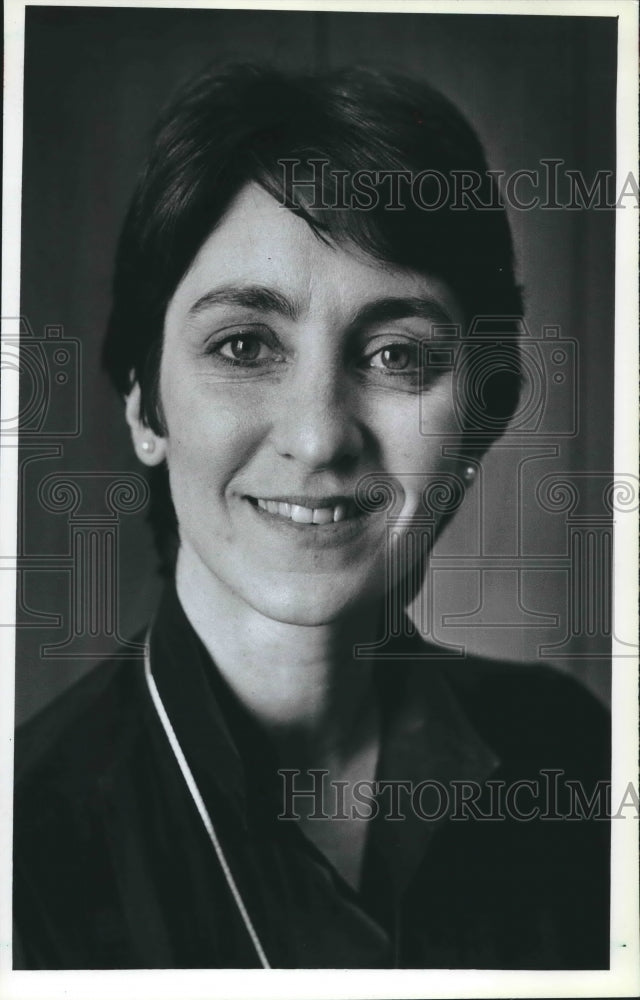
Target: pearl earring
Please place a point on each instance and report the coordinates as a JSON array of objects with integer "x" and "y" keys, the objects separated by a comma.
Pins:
[{"x": 148, "y": 446}]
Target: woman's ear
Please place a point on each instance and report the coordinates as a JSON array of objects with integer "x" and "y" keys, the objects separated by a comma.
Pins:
[{"x": 149, "y": 447}]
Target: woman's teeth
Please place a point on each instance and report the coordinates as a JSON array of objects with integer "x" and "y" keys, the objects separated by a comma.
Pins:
[{"x": 305, "y": 515}]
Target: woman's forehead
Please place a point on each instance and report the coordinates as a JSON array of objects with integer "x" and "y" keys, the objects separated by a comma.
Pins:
[{"x": 260, "y": 243}]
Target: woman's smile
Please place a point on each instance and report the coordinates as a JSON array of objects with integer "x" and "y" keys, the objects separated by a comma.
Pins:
[
  {"x": 322, "y": 523},
  {"x": 309, "y": 510},
  {"x": 291, "y": 369}
]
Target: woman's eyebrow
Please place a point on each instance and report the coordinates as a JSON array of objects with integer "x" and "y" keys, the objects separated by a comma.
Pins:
[
  {"x": 264, "y": 299},
  {"x": 392, "y": 308},
  {"x": 257, "y": 297}
]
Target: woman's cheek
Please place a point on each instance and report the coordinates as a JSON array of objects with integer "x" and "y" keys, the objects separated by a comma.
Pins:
[{"x": 218, "y": 424}]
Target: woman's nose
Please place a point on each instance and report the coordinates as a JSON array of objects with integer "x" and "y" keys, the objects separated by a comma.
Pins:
[{"x": 317, "y": 421}]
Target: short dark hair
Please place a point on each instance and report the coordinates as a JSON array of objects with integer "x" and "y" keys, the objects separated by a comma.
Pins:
[{"x": 239, "y": 125}]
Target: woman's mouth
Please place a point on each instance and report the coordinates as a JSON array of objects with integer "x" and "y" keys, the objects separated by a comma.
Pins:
[{"x": 322, "y": 511}]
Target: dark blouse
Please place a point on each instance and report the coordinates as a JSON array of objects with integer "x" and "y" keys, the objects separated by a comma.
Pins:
[{"x": 113, "y": 867}]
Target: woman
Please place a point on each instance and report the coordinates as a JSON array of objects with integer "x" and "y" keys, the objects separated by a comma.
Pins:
[{"x": 292, "y": 777}]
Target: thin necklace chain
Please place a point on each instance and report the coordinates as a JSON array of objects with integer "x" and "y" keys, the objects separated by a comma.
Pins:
[{"x": 200, "y": 806}]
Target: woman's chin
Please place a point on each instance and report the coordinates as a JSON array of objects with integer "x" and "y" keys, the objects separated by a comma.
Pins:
[{"x": 309, "y": 605}]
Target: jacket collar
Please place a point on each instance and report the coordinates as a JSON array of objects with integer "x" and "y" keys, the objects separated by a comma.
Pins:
[
  {"x": 181, "y": 668},
  {"x": 426, "y": 735},
  {"x": 428, "y": 742}
]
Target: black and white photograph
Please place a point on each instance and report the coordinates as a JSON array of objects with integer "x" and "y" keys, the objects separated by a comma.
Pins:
[{"x": 320, "y": 500}]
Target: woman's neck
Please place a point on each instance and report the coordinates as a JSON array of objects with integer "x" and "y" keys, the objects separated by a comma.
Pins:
[{"x": 302, "y": 683}]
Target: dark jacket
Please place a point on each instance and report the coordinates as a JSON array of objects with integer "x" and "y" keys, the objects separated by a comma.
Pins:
[{"x": 485, "y": 858}]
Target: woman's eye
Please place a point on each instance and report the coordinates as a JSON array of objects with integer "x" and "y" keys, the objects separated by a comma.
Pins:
[
  {"x": 395, "y": 358},
  {"x": 244, "y": 347}
]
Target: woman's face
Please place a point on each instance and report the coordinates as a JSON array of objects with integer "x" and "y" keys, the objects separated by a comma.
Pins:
[{"x": 290, "y": 370}]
